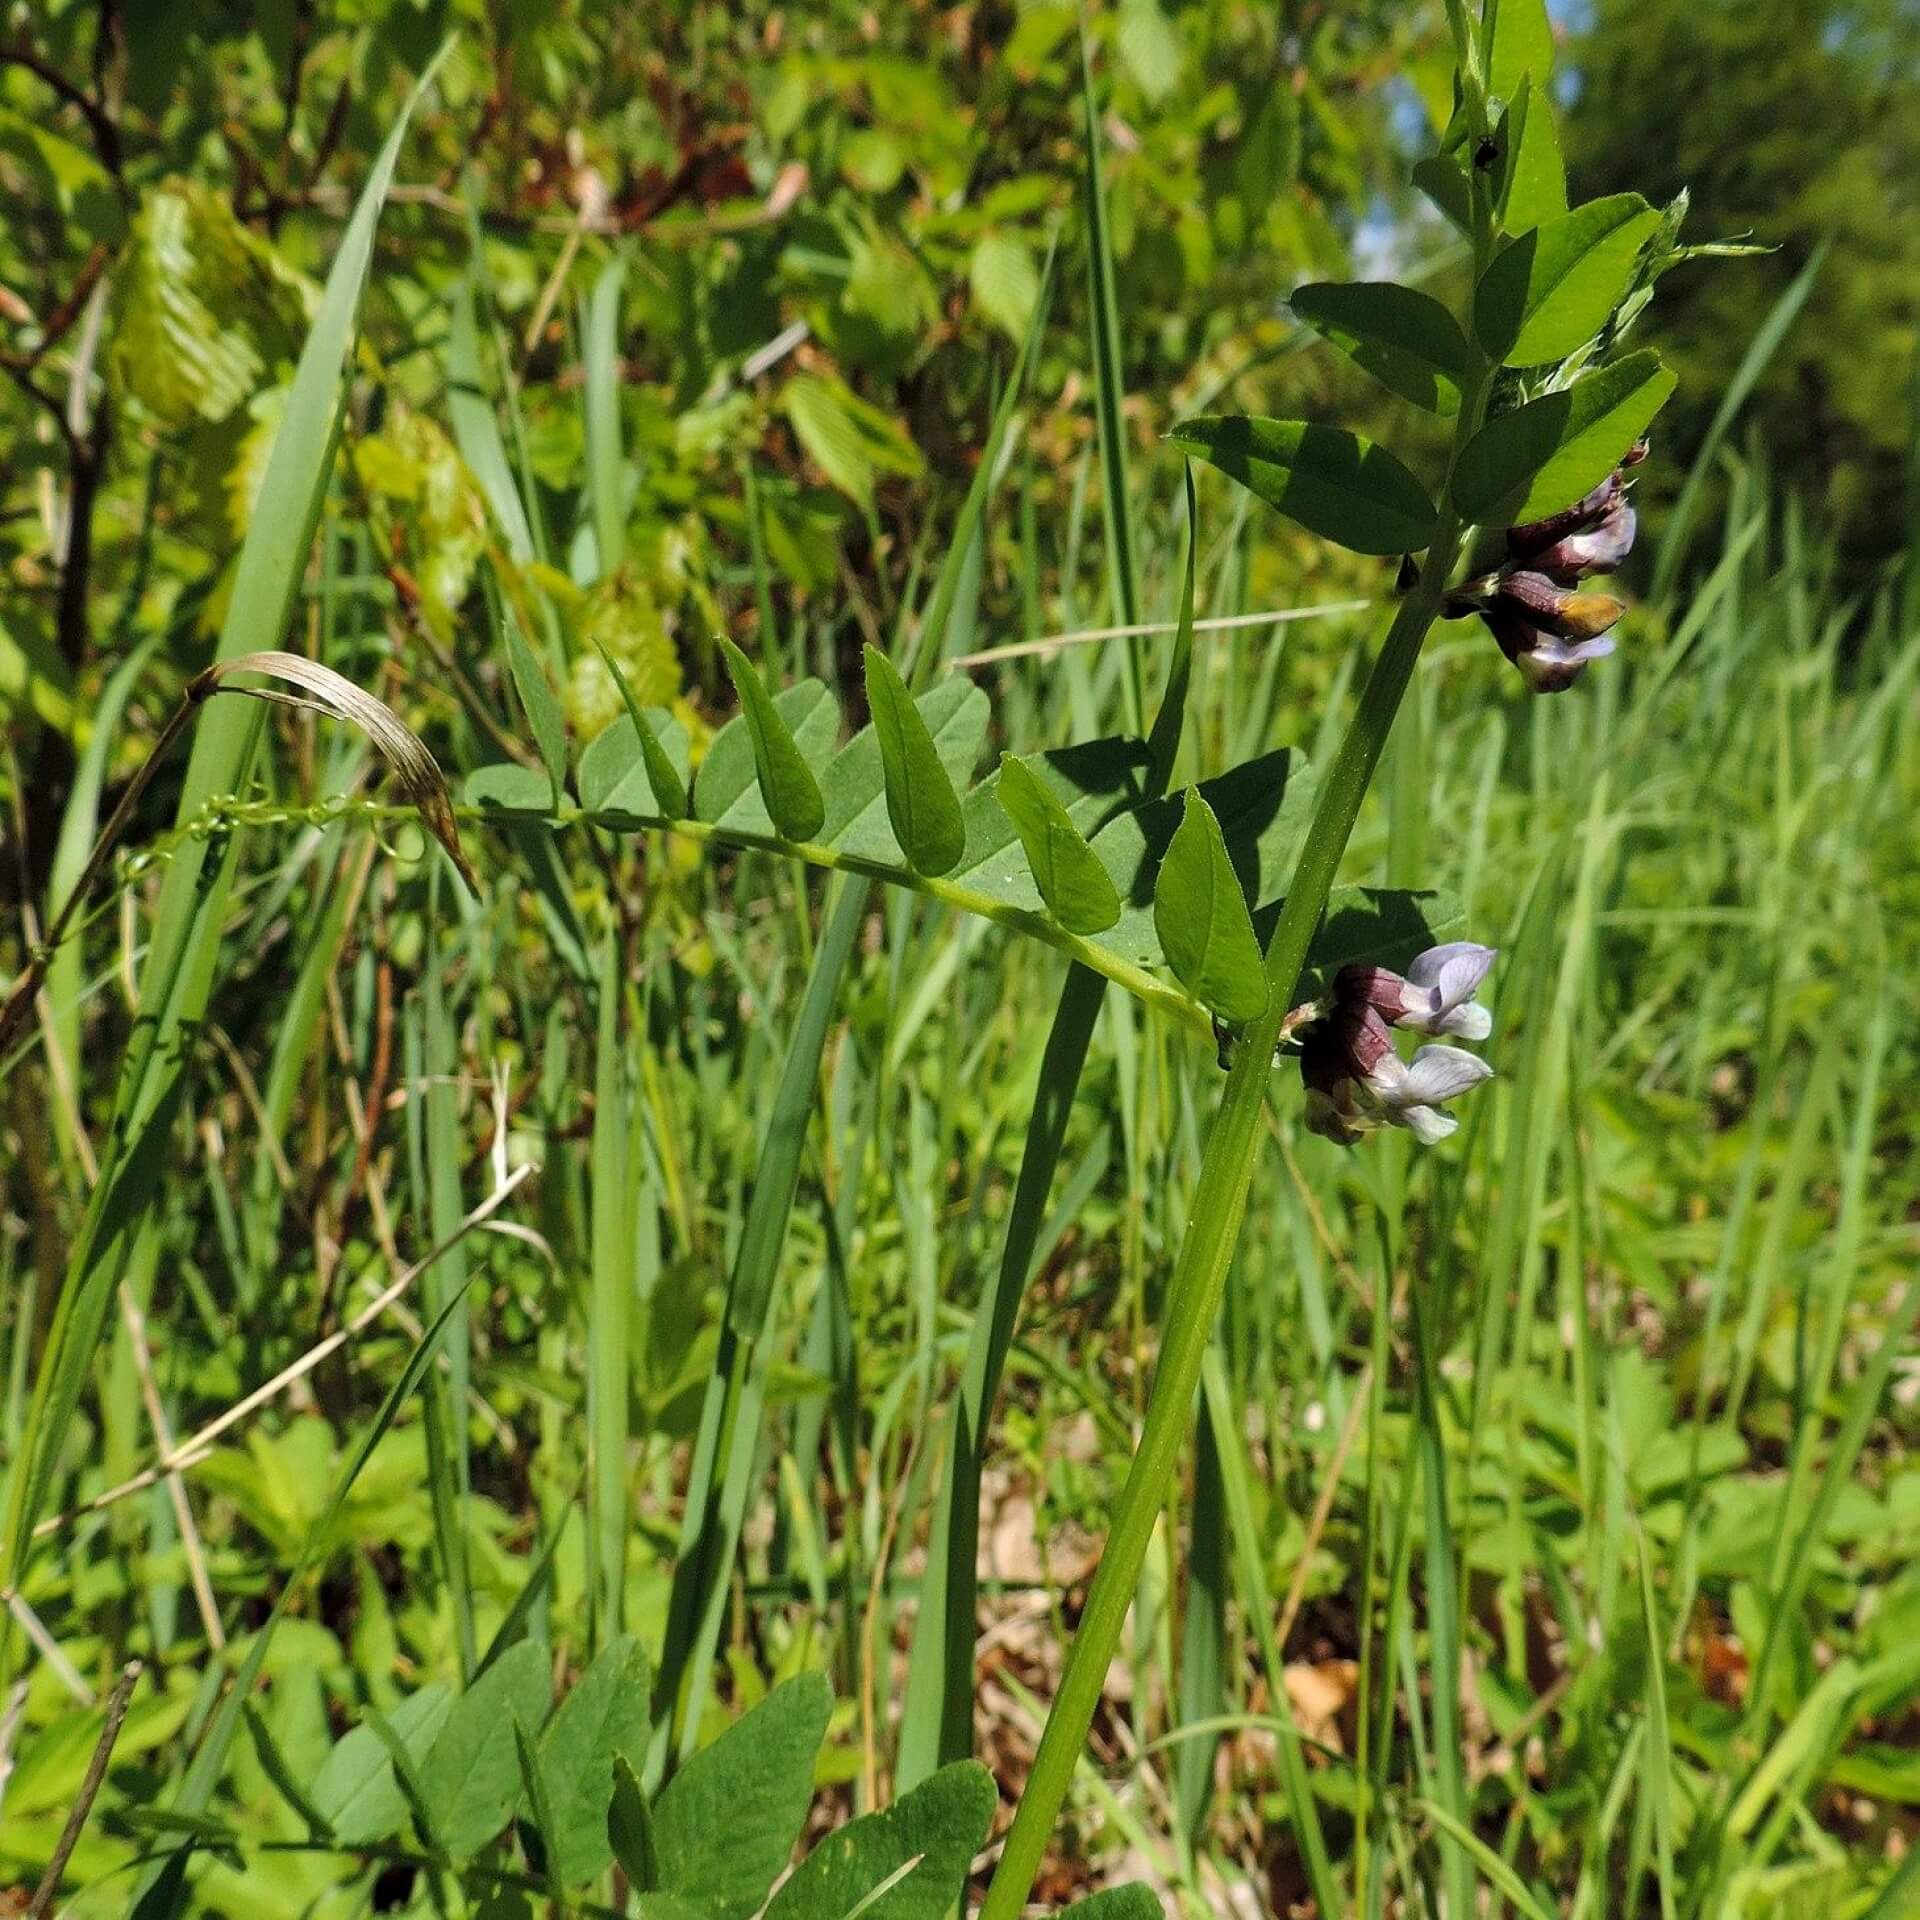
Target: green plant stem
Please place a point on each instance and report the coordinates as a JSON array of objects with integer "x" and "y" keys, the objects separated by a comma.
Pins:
[
  {"x": 1200, "y": 1276},
  {"x": 1219, "y": 1202}
]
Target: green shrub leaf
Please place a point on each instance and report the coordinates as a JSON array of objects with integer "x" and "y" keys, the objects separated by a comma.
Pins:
[
  {"x": 927, "y": 1838},
  {"x": 1201, "y": 915},
  {"x": 921, "y": 802},
  {"x": 850, "y": 439},
  {"x": 725, "y": 1826},
  {"x": 1545, "y": 455},
  {"x": 1440, "y": 178},
  {"x": 1406, "y": 339},
  {"x": 1333, "y": 482},
  {"x": 1551, "y": 290},
  {"x": 787, "y": 786},
  {"x": 1077, "y": 889},
  {"x": 605, "y": 1714}
]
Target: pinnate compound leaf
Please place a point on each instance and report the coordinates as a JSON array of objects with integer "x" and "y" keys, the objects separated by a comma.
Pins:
[
  {"x": 787, "y": 785},
  {"x": 1334, "y": 483},
  {"x": 1546, "y": 454},
  {"x": 1202, "y": 919},
  {"x": 1551, "y": 290},
  {"x": 605, "y": 1714},
  {"x": 1406, "y": 339},
  {"x": 470, "y": 1778},
  {"x": 1077, "y": 889},
  {"x": 921, "y": 802},
  {"x": 724, "y": 1828},
  {"x": 940, "y": 1826}
]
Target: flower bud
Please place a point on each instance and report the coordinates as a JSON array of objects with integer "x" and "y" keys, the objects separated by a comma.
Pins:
[
  {"x": 1546, "y": 663},
  {"x": 1558, "y": 610},
  {"x": 1537, "y": 535},
  {"x": 1599, "y": 550}
]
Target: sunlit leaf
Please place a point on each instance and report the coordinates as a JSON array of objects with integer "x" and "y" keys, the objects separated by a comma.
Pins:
[
  {"x": 725, "y": 1826},
  {"x": 1546, "y": 454},
  {"x": 1202, "y": 918},
  {"x": 1551, "y": 290},
  {"x": 921, "y": 802},
  {"x": 1077, "y": 889}
]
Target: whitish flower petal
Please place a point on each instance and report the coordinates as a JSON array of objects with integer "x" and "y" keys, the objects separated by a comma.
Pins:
[
  {"x": 1453, "y": 970},
  {"x": 1471, "y": 1022},
  {"x": 1428, "y": 1125},
  {"x": 1440, "y": 1073}
]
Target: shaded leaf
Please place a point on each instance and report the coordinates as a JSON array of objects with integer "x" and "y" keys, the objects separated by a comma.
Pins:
[
  {"x": 921, "y": 802},
  {"x": 1335, "y": 483},
  {"x": 607, "y": 1713},
  {"x": 355, "y": 1791},
  {"x": 1551, "y": 290},
  {"x": 630, "y": 1829},
  {"x": 1546, "y": 454},
  {"x": 724, "y": 1828},
  {"x": 470, "y": 1777},
  {"x": 932, "y": 1832},
  {"x": 1076, "y": 888},
  {"x": 1406, "y": 339},
  {"x": 1201, "y": 915},
  {"x": 1440, "y": 178}
]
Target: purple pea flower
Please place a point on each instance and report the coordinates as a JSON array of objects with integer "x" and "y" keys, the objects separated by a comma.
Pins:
[{"x": 1356, "y": 1082}]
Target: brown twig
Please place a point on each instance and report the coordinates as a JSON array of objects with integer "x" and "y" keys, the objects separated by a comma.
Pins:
[{"x": 89, "y": 1787}]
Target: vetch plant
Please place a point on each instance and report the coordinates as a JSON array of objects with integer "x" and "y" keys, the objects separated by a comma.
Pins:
[{"x": 1545, "y": 413}]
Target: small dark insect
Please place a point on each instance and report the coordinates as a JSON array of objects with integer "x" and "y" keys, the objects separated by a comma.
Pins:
[{"x": 1486, "y": 153}]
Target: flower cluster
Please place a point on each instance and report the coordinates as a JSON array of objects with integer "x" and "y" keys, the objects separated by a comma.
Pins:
[
  {"x": 1357, "y": 1082},
  {"x": 1533, "y": 605}
]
